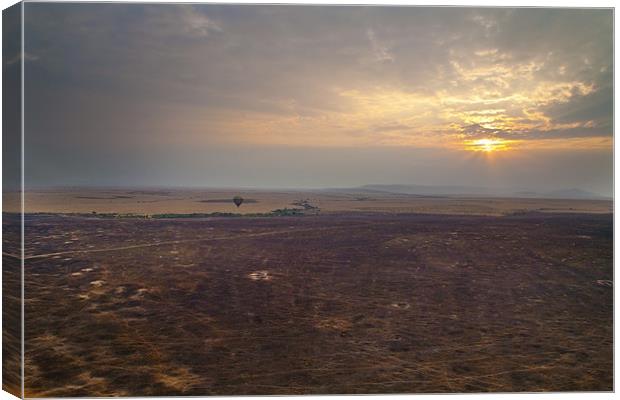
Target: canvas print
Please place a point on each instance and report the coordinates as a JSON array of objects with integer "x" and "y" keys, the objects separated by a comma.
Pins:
[{"x": 228, "y": 199}]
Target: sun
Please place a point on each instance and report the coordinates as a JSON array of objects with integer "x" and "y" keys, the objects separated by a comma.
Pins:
[{"x": 487, "y": 145}]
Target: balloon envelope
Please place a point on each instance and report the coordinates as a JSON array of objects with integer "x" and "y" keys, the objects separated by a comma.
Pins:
[{"x": 238, "y": 200}]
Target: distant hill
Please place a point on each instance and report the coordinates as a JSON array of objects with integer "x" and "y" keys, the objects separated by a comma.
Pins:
[
  {"x": 429, "y": 190},
  {"x": 574, "y": 194}
]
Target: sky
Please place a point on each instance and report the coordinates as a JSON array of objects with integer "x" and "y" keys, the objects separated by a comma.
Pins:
[{"x": 317, "y": 96}]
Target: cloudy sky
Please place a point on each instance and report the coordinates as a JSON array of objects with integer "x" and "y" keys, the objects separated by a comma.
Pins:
[{"x": 303, "y": 96}]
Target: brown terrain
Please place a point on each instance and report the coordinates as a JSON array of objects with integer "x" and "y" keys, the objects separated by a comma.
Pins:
[
  {"x": 11, "y": 305},
  {"x": 188, "y": 201},
  {"x": 374, "y": 297}
]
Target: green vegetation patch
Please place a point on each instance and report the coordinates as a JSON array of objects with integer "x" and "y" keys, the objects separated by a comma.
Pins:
[{"x": 283, "y": 212}]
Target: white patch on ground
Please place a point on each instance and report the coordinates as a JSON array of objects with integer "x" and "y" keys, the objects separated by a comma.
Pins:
[
  {"x": 260, "y": 276},
  {"x": 98, "y": 283}
]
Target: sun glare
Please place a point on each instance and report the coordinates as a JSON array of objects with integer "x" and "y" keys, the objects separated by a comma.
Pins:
[{"x": 487, "y": 145}]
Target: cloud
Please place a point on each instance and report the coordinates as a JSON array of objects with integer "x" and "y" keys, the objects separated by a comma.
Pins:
[
  {"x": 181, "y": 21},
  {"x": 18, "y": 57},
  {"x": 392, "y": 127},
  {"x": 381, "y": 52},
  {"x": 154, "y": 76}
]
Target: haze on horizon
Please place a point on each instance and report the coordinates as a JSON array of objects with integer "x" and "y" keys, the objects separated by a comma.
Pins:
[{"x": 282, "y": 96}]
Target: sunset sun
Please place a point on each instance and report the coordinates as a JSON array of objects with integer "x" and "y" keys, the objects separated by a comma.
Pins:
[{"x": 487, "y": 145}]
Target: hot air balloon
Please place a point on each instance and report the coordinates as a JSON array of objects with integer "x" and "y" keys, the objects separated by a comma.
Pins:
[{"x": 238, "y": 200}]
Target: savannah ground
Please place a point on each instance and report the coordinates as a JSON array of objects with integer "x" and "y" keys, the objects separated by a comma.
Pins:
[{"x": 386, "y": 299}]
